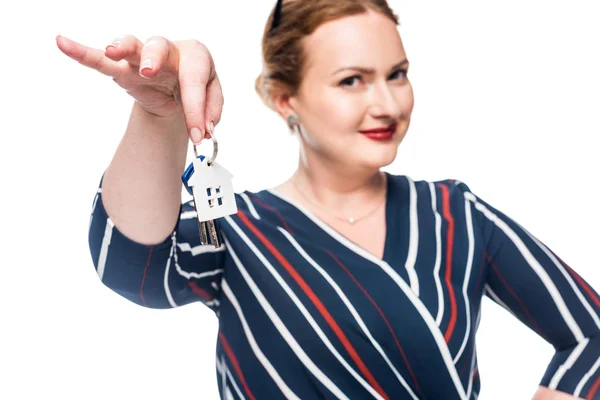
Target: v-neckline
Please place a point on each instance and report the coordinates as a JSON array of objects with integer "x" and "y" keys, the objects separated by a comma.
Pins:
[{"x": 319, "y": 223}]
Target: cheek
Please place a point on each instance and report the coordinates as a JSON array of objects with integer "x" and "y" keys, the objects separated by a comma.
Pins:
[
  {"x": 407, "y": 99},
  {"x": 341, "y": 112}
]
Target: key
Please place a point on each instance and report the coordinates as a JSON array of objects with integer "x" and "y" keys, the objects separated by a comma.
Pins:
[
  {"x": 210, "y": 185},
  {"x": 203, "y": 232},
  {"x": 214, "y": 233}
]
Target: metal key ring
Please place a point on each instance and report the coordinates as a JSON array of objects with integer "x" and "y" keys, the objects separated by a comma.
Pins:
[{"x": 215, "y": 148}]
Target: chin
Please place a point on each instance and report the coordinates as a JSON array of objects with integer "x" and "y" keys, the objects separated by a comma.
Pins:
[
  {"x": 375, "y": 154},
  {"x": 377, "y": 158}
]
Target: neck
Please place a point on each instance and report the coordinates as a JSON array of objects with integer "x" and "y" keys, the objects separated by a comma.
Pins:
[{"x": 338, "y": 187}]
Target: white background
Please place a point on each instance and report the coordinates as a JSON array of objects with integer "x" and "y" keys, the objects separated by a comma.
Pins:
[{"x": 507, "y": 100}]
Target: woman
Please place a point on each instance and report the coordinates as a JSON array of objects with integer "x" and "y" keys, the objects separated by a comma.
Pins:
[{"x": 343, "y": 281}]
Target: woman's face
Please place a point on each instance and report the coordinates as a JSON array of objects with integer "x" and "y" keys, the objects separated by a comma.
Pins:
[{"x": 354, "y": 80}]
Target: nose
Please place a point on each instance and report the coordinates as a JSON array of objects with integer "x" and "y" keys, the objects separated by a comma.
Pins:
[{"x": 383, "y": 102}]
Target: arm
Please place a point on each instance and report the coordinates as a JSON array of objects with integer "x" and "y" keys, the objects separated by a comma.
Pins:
[
  {"x": 144, "y": 243},
  {"x": 540, "y": 289},
  {"x": 543, "y": 393},
  {"x": 142, "y": 185}
]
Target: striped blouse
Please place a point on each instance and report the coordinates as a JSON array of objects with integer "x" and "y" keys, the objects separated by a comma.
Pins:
[{"x": 304, "y": 313}]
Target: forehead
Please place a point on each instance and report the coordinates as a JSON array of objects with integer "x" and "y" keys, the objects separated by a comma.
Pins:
[{"x": 369, "y": 39}]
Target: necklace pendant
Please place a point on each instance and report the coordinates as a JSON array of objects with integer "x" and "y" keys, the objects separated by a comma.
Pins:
[{"x": 351, "y": 220}]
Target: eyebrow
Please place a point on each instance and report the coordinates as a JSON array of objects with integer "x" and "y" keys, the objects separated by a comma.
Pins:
[{"x": 370, "y": 70}]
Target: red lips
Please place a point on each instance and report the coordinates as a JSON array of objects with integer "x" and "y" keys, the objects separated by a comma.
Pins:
[
  {"x": 383, "y": 133},
  {"x": 382, "y": 129}
]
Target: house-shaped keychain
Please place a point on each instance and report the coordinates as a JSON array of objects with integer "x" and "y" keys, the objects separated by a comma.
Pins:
[{"x": 211, "y": 188}]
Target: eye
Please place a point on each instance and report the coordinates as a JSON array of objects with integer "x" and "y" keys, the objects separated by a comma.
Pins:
[
  {"x": 402, "y": 71},
  {"x": 348, "y": 81}
]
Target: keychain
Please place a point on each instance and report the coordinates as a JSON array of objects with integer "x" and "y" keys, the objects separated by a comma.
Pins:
[{"x": 210, "y": 185}]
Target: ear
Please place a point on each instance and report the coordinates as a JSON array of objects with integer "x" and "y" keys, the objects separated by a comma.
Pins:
[{"x": 285, "y": 105}]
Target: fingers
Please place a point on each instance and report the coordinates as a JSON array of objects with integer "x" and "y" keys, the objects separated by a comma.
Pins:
[
  {"x": 188, "y": 65},
  {"x": 158, "y": 53},
  {"x": 214, "y": 104},
  {"x": 90, "y": 57},
  {"x": 149, "y": 57},
  {"x": 195, "y": 72},
  {"x": 125, "y": 47}
]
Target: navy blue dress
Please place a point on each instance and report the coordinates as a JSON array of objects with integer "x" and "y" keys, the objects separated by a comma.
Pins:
[{"x": 304, "y": 313}]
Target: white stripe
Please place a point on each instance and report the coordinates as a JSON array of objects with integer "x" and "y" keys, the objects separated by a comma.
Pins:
[
  {"x": 188, "y": 215},
  {"x": 413, "y": 245},
  {"x": 197, "y": 275},
  {"x": 535, "y": 265},
  {"x": 199, "y": 249},
  {"x": 586, "y": 378},
  {"x": 228, "y": 395},
  {"x": 478, "y": 319},
  {"x": 434, "y": 329},
  {"x": 469, "y": 223},
  {"x": 567, "y": 276},
  {"x": 94, "y": 208},
  {"x": 235, "y": 385},
  {"x": 253, "y": 345},
  {"x": 218, "y": 365},
  {"x": 471, "y": 375},
  {"x": 494, "y": 296},
  {"x": 172, "y": 254},
  {"x": 421, "y": 308},
  {"x": 226, "y": 373},
  {"x": 108, "y": 230},
  {"x": 438, "y": 258},
  {"x": 569, "y": 362},
  {"x": 245, "y": 197},
  {"x": 188, "y": 275},
  {"x": 284, "y": 331},
  {"x": 223, "y": 376},
  {"x": 350, "y": 308}
]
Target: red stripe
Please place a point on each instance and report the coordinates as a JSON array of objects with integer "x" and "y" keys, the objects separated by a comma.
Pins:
[
  {"x": 236, "y": 365},
  {"x": 199, "y": 291},
  {"x": 514, "y": 294},
  {"x": 593, "y": 390},
  {"x": 412, "y": 374},
  {"x": 582, "y": 283},
  {"x": 467, "y": 359},
  {"x": 318, "y": 304},
  {"x": 449, "y": 249},
  {"x": 144, "y": 276},
  {"x": 268, "y": 207}
]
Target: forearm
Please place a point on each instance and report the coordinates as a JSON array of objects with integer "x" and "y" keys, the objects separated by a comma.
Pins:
[
  {"x": 141, "y": 188},
  {"x": 543, "y": 393}
]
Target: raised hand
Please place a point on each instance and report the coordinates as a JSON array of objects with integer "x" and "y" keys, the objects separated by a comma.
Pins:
[{"x": 166, "y": 78}]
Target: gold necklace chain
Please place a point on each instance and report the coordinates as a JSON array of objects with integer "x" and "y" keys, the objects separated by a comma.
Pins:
[{"x": 350, "y": 220}]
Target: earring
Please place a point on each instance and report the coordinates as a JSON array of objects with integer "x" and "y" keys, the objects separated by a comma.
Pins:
[{"x": 292, "y": 120}]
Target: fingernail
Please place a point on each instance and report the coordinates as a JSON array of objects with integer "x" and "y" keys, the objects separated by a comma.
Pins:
[
  {"x": 147, "y": 64},
  {"x": 196, "y": 135},
  {"x": 115, "y": 44}
]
